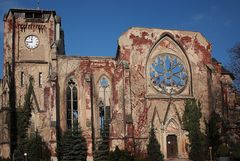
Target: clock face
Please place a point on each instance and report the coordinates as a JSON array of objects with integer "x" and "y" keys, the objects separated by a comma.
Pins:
[{"x": 32, "y": 41}]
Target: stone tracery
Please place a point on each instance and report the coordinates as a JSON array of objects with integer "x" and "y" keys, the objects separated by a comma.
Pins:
[{"x": 168, "y": 74}]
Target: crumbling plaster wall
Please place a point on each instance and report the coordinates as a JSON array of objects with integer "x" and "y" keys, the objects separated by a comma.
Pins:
[
  {"x": 128, "y": 76},
  {"x": 136, "y": 45},
  {"x": 217, "y": 89}
]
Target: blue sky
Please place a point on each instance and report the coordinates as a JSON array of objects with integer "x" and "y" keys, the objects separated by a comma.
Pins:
[{"x": 92, "y": 27}]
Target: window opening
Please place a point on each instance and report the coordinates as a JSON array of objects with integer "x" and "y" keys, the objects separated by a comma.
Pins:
[
  {"x": 31, "y": 15},
  {"x": 104, "y": 110},
  {"x": 168, "y": 74},
  {"x": 71, "y": 103},
  {"x": 101, "y": 115},
  {"x": 22, "y": 79},
  {"x": 40, "y": 79}
]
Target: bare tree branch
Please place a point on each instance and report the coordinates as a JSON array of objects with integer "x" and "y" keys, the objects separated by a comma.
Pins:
[{"x": 235, "y": 64}]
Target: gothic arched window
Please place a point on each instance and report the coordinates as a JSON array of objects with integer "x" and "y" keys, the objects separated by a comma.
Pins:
[
  {"x": 168, "y": 74},
  {"x": 72, "y": 103},
  {"x": 104, "y": 106}
]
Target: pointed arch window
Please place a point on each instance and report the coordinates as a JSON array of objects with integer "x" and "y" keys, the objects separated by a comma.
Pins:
[
  {"x": 71, "y": 103},
  {"x": 104, "y": 105}
]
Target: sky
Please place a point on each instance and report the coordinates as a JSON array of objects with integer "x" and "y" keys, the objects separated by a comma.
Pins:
[{"x": 92, "y": 27}]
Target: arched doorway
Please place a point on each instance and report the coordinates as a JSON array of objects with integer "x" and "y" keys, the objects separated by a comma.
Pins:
[
  {"x": 172, "y": 138},
  {"x": 172, "y": 146}
]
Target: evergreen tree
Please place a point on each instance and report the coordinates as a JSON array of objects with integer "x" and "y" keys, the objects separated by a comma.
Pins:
[
  {"x": 102, "y": 151},
  {"x": 120, "y": 155},
  {"x": 23, "y": 122},
  {"x": 236, "y": 151},
  {"x": 34, "y": 147},
  {"x": 213, "y": 134},
  {"x": 37, "y": 149},
  {"x": 66, "y": 146},
  {"x": 73, "y": 145},
  {"x": 10, "y": 75},
  {"x": 59, "y": 146},
  {"x": 191, "y": 123},
  {"x": 153, "y": 147},
  {"x": 114, "y": 155},
  {"x": 3, "y": 159}
]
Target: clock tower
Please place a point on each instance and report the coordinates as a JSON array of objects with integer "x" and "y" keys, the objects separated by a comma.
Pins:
[{"x": 32, "y": 41}]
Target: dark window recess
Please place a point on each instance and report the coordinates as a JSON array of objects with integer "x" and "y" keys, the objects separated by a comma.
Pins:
[
  {"x": 104, "y": 119},
  {"x": 101, "y": 115},
  {"x": 36, "y": 15},
  {"x": 108, "y": 113},
  {"x": 40, "y": 79},
  {"x": 22, "y": 79},
  {"x": 69, "y": 107},
  {"x": 29, "y": 15},
  {"x": 53, "y": 124}
]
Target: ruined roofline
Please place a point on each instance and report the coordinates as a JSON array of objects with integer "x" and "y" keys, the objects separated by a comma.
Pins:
[
  {"x": 214, "y": 60},
  {"x": 86, "y": 57},
  {"x": 169, "y": 30},
  {"x": 23, "y": 10},
  {"x": 227, "y": 72},
  {"x": 224, "y": 71},
  {"x": 157, "y": 34},
  {"x": 164, "y": 29},
  {"x": 31, "y": 10}
]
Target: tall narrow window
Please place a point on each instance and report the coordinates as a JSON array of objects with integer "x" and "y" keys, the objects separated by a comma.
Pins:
[
  {"x": 40, "y": 79},
  {"x": 71, "y": 103},
  {"x": 22, "y": 79},
  {"x": 104, "y": 107}
]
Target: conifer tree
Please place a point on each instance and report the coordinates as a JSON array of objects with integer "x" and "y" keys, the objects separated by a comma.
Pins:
[
  {"x": 213, "y": 134},
  {"x": 153, "y": 147},
  {"x": 191, "y": 123},
  {"x": 34, "y": 147},
  {"x": 23, "y": 122},
  {"x": 10, "y": 75},
  {"x": 120, "y": 155},
  {"x": 73, "y": 145},
  {"x": 37, "y": 149},
  {"x": 102, "y": 151}
]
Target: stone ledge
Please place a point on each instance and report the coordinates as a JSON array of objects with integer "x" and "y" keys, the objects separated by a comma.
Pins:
[{"x": 153, "y": 96}]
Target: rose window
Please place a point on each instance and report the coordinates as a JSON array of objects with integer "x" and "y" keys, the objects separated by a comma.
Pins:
[{"x": 168, "y": 74}]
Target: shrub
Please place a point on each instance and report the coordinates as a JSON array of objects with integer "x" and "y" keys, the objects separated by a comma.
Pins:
[
  {"x": 191, "y": 123},
  {"x": 4, "y": 159},
  {"x": 213, "y": 133},
  {"x": 153, "y": 147},
  {"x": 236, "y": 152},
  {"x": 101, "y": 153},
  {"x": 123, "y": 155},
  {"x": 120, "y": 155},
  {"x": 37, "y": 149},
  {"x": 223, "y": 150}
]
